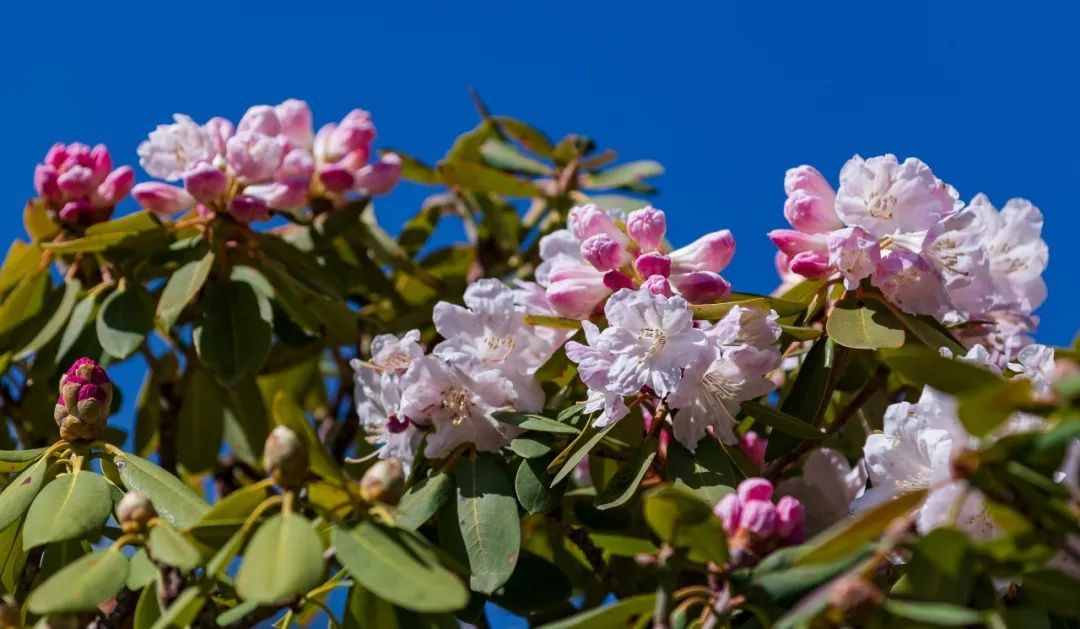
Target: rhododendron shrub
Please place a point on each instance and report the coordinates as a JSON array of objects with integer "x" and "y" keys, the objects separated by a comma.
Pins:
[{"x": 565, "y": 414}]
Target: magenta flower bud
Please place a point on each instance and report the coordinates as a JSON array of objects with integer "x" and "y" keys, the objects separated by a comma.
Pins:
[
  {"x": 810, "y": 205},
  {"x": 205, "y": 183},
  {"x": 76, "y": 181},
  {"x": 700, "y": 287},
  {"x": 45, "y": 183},
  {"x": 811, "y": 264},
  {"x": 246, "y": 208},
  {"x": 615, "y": 280},
  {"x": 101, "y": 162},
  {"x": 82, "y": 213},
  {"x": 295, "y": 118},
  {"x": 380, "y": 177},
  {"x": 336, "y": 179},
  {"x": 85, "y": 398},
  {"x": 759, "y": 518},
  {"x": 753, "y": 446},
  {"x": 794, "y": 242},
  {"x": 603, "y": 252},
  {"x": 116, "y": 186},
  {"x": 712, "y": 252},
  {"x": 755, "y": 489},
  {"x": 260, "y": 119},
  {"x": 647, "y": 226},
  {"x": 649, "y": 264},
  {"x": 658, "y": 285},
  {"x": 729, "y": 510},
  {"x": 161, "y": 198},
  {"x": 791, "y": 520},
  {"x": 57, "y": 155},
  {"x": 589, "y": 220}
]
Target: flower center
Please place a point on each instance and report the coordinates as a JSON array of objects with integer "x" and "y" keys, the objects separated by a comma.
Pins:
[
  {"x": 396, "y": 361},
  {"x": 498, "y": 347},
  {"x": 881, "y": 205},
  {"x": 456, "y": 403},
  {"x": 655, "y": 337}
]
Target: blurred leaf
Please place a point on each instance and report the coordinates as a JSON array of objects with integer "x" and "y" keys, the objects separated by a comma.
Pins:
[
  {"x": 922, "y": 366},
  {"x": 16, "y": 460},
  {"x": 1051, "y": 590},
  {"x": 141, "y": 571},
  {"x": 289, "y": 540},
  {"x": 622, "y": 545},
  {"x": 147, "y": 609},
  {"x": 530, "y": 485},
  {"x": 86, "y": 244},
  {"x": 183, "y": 285},
  {"x": 983, "y": 410},
  {"x": 37, "y": 222},
  {"x": 235, "y": 333},
  {"x": 287, "y": 413},
  {"x": 941, "y": 614},
  {"x": 22, "y": 260},
  {"x": 623, "y": 485},
  {"x": 172, "y": 499},
  {"x": 364, "y": 609},
  {"x": 81, "y": 316},
  {"x": 507, "y": 157},
  {"x": 415, "y": 170},
  {"x": 864, "y": 325},
  {"x": 624, "y": 174},
  {"x": 125, "y": 318},
  {"x": 527, "y": 135},
  {"x": 800, "y": 333},
  {"x": 940, "y": 567},
  {"x": 20, "y": 492},
  {"x": 537, "y": 584},
  {"x": 68, "y": 507},
  {"x": 466, "y": 146},
  {"x": 613, "y": 616},
  {"x": 24, "y": 302},
  {"x": 423, "y": 500},
  {"x": 398, "y": 567},
  {"x": 682, "y": 519},
  {"x": 201, "y": 422},
  {"x": 81, "y": 585},
  {"x": 172, "y": 547},
  {"x": 707, "y": 471},
  {"x": 479, "y": 178},
  {"x": 532, "y": 421},
  {"x": 782, "y": 422},
  {"x": 488, "y": 520},
  {"x": 183, "y": 611},
  {"x": 848, "y": 536},
  {"x": 60, "y": 313}
]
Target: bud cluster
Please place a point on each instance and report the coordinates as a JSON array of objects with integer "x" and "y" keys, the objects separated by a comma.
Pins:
[
  {"x": 756, "y": 525},
  {"x": 82, "y": 407},
  {"x": 79, "y": 184}
]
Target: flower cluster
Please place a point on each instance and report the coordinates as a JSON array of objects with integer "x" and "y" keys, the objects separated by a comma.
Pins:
[
  {"x": 755, "y": 524},
  {"x": 485, "y": 363},
  {"x": 271, "y": 160},
  {"x": 905, "y": 231},
  {"x": 85, "y": 401},
  {"x": 79, "y": 185},
  {"x": 598, "y": 255}
]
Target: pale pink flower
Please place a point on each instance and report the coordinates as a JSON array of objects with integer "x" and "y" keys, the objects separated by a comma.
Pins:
[
  {"x": 171, "y": 150},
  {"x": 827, "y": 488},
  {"x": 908, "y": 281},
  {"x": 855, "y": 253},
  {"x": 884, "y": 196}
]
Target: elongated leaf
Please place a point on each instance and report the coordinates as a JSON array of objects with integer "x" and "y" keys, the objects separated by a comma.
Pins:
[
  {"x": 783, "y": 422},
  {"x": 69, "y": 507},
  {"x": 183, "y": 610},
  {"x": 923, "y": 366},
  {"x": 125, "y": 318},
  {"x": 22, "y": 259},
  {"x": 80, "y": 318},
  {"x": 56, "y": 322},
  {"x": 183, "y": 285},
  {"x": 614, "y": 616},
  {"x": 531, "y": 487},
  {"x": 20, "y": 492},
  {"x": 423, "y": 500},
  {"x": 625, "y": 174},
  {"x": 289, "y": 540},
  {"x": 507, "y": 157},
  {"x": 147, "y": 609},
  {"x": 530, "y": 448},
  {"x": 708, "y": 471},
  {"x": 398, "y": 567},
  {"x": 985, "y": 409},
  {"x": 866, "y": 325},
  {"x": 531, "y": 421},
  {"x": 578, "y": 449},
  {"x": 24, "y": 302},
  {"x": 86, "y": 244},
  {"x": 682, "y": 519},
  {"x": 81, "y": 585},
  {"x": 480, "y": 178},
  {"x": 849, "y": 535},
  {"x": 202, "y": 417},
  {"x": 488, "y": 520},
  {"x": 16, "y": 460},
  {"x": 172, "y": 499},
  {"x": 940, "y": 614},
  {"x": 141, "y": 571},
  {"x": 172, "y": 547},
  {"x": 624, "y": 483},
  {"x": 233, "y": 339},
  {"x": 530, "y": 137}
]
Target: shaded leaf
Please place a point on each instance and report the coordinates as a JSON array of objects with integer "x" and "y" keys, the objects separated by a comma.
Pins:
[
  {"x": 849, "y": 535},
  {"x": 865, "y": 325},
  {"x": 57, "y": 320},
  {"x": 236, "y": 330},
  {"x": 81, "y": 585},
  {"x": 124, "y": 319},
  {"x": 423, "y": 500},
  {"x": 289, "y": 540},
  {"x": 488, "y": 520},
  {"x": 20, "y": 492},
  {"x": 183, "y": 285},
  {"x": 172, "y": 547}
]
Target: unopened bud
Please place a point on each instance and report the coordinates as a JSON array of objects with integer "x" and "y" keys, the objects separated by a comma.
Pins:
[
  {"x": 729, "y": 510},
  {"x": 134, "y": 511},
  {"x": 82, "y": 407},
  {"x": 791, "y": 520},
  {"x": 647, "y": 227},
  {"x": 383, "y": 482},
  {"x": 285, "y": 457},
  {"x": 755, "y": 489},
  {"x": 603, "y": 252},
  {"x": 759, "y": 518},
  {"x": 649, "y": 264}
]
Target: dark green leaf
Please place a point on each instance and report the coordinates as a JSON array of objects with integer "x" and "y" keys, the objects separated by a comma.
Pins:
[
  {"x": 682, "y": 519},
  {"x": 781, "y": 421},
  {"x": 56, "y": 322},
  {"x": 81, "y": 585},
  {"x": 423, "y": 500},
  {"x": 81, "y": 316},
  {"x": 201, "y": 422},
  {"x": 623, "y": 485},
  {"x": 851, "y": 534},
  {"x": 618, "y": 614},
  {"x": 578, "y": 449},
  {"x": 941, "y": 614},
  {"x": 531, "y": 486},
  {"x": 172, "y": 547},
  {"x": 488, "y": 520},
  {"x": 182, "y": 611},
  {"x": 287, "y": 413},
  {"x": 125, "y": 318},
  {"x": 234, "y": 337},
  {"x": 183, "y": 285},
  {"x": 531, "y": 421}
]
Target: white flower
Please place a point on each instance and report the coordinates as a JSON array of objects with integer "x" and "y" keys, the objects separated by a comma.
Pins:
[
  {"x": 457, "y": 405},
  {"x": 909, "y": 282},
  {"x": 827, "y": 488},
  {"x": 1017, "y": 253},
  {"x": 855, "y": 253},
  {"x": 172, "y": 150},
  {"x": 1036, "y": 364},
  {"x": 885, "y": 197},
  {"x": 741, "y": 352},
  {"x": 956, "y": 247},
  {"x": 594, "y": 365}
]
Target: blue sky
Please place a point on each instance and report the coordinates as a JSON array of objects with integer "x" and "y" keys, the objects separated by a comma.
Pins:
[{"x": 726, "y": 96}]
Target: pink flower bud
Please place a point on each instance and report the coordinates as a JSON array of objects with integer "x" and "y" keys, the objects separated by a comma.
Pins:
[
  {"x": 246, "y": 208},
  {"x": 753, "y": 446},
  {"x": 616, "y": 280},
  {"x": 575, "y": 292},
  {"x": 57, "y": 155},
  {"x": 281, "y": 196},
  {"x": 759, "y": 518},
  {"x": 811, "y": 264},
  {"x": 755, "y": 489},
  {"x": 254, "y": 157},
  {"x": 589, "y": 220},
  {"x": 84, "y": 402},
  {"x": 782, "y": 263},
  {"x": 810, "y": 201},
  {"x": 647, "y": 226},
  {"x": 336, "y": 179},
  {"x": 45, "y": 183},
  {"x": 729, "y": 510},
  {"x": 793, "y": 242},
  {"x": 295, "y": 118},
  {"x": 82, "y": 213},
  {"x": 161, "y": 198},
  {"x": 353, "y": 135},
  {"x": 380, "y": 177},
  {"x": 649, "y": 264},
  {"x": 101, "y": 162},
  {"x": 700, "y": 287},
  {"x": 603, "y": 252},
  {"x": 76, "y": 181},
  {"x": 116, "y": 186},
  {"x": 219, "y": 130},
  {"x": 260, "y": 119},
  {"x": 205, "y": 182},
  {"x": 791, "y": 520},
  {"x": 712, "y": 252},
  {"x": 297, "y": 165},
  {"x": 658, "y": 285}
]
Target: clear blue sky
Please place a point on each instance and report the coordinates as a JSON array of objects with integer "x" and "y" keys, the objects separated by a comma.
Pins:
[{"x": 725, "y": 96}]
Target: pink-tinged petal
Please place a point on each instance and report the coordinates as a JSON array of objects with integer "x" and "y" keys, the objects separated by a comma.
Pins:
[
  {"x": 909, "y": 282},
  {"x": 810, "y": 264},
  {"x": 759, "y": 518},
  {"x": 700, "y": 287},
  {"x": 753, "y": 446},
  {"x": 76, "y": 181},
  {"x": 297, "y": 164},
  {"x": 260, "y": 119},
  {"x": 855, "y": 253},
  {"x": 755, "y": 489},
  {"x": 791, "y": 520},
  {"x": 658, "y": 285},
  {"x": 281, "y": 196},
  {"x": 649, "y": 264},
  {"x": 336, "y": 179},
  {"x": 380, "y": 177},
  {"x": 247, "y": 208},
  {"x": 793, "y": 242},
  {"x": 161, "y": 198},
  {"x": 603, "y": 252},
  {"x": 254, "y": 157},
  {"x": 783, "y": 265},
  {"x": 810, "y": 205},
  {"x": 577, "y": 298},
  {"x": 117, "y": 185},
  {"x": 45, "y": 182},
  {"x": 101, "y": 163},
  {"x": 589, "y": 220},
  {"x": 354, "y": 135},
  {"x": 712, "y": 252},
  {"x": 615, "y": 280},
  {"x": 218, "y": 130},
  {"x": 206, "y": 183},
  {"x": 295, "y": 118},
  {"x": 647, "y": 227},
  {"x": 57, "y": 155},
  {"x": 729, "y": 510}
]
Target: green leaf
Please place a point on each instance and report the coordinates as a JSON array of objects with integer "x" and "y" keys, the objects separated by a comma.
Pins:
[
  {"x": 81, "y": 585},
  {"x": 528, "y": 136},
  {"x": 623, "y": 485},
  {"x": 779, "y": 420},
  {"x": 800, "y": 333},
  {"x": 17, "y": 460},
  {"x": 614, "y": 616},
  {"x": 147, "y": 609},
  {"x": 423, "y": 500},
  {"x": 530, "y": 486},
  {"x": 624, "y": 174},
  {"x": 474, "y": 176},
  {"x": 287, "y": 413},
  {"x": 24, "y": 302},
  {"x": 622, "y": 545},
  {"x": 708, "y": 471},
  {"x": 922, "y": 366},
  {"x": 930, "y": 332},
  {"x": 399, "y": 567},
  {"x": 865, "y": 325},
  {"x": 488, "y": 520},
  {"x": 234, "y": 336},
  {"x": 125, "y": 318},
  {"x": 12, "y": 556},
  {"x": 183, "y": 610},
  {"x": 530, "y": 448},
  {"x": 81, "y": 316},
  {"x": 141, "y": 571},
  {"x": 289, "y": 540},
  {"x": 940, "y": 567},
  {"x": 983, "y": 410},
  {"x": 56, "y": 321},
  {"x": 172, "y": 547},
  {"x": 1051, "y": 590},
  {"x": 183, "y": 285},
  {"x": 17, "y": 496},
  {"x": 201, "y": 422},
  {"x": 86, "y": 244},
  {"x": 682, "y": 519},
  {"x": 412, "y": 169},
  {"x": 810, "y": 394},
  {"x": 134, "y": 223},
  {"x": 941, "y": 614},
  {"x": 172, "y": 499},
  {"x": 531, "y": 421},
  {"x": 69, "y": 507},
  {"x": 849, "y": 535},
  {"x": 563, "y": 464},
  {"x": 507, "y": 157},
  {"x": 22, "y": 259}
]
